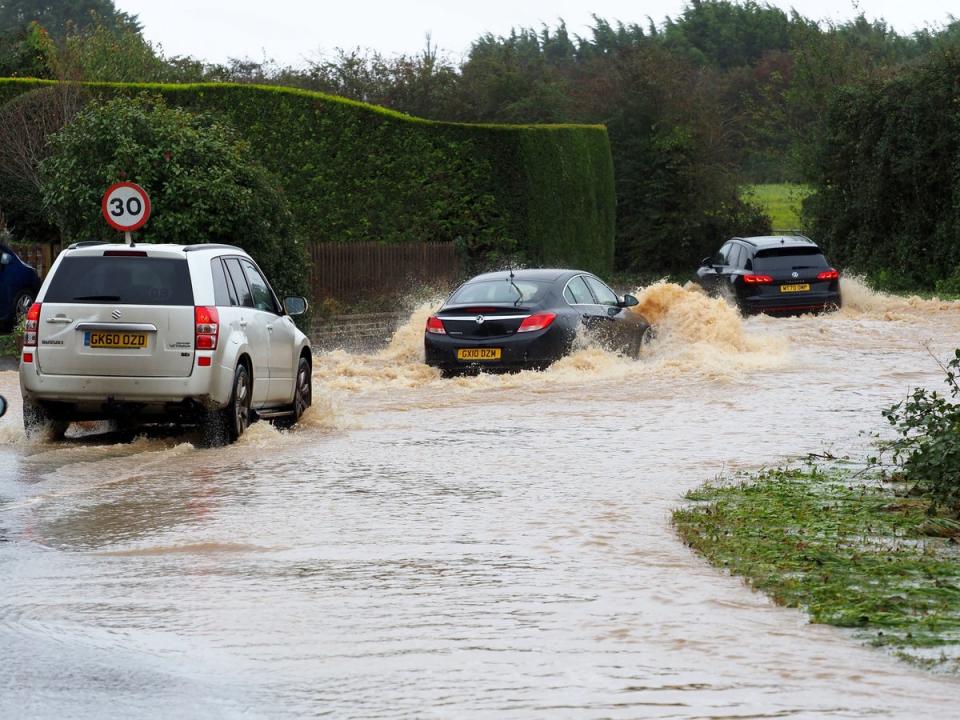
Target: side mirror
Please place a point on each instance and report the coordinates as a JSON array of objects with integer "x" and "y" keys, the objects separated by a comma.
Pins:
[
  {"x": 3, "y": 405},
  {"x": 629, "y": 301},
  {"x": 295, "y": 305},
  {"x": 5, "y": 259}
]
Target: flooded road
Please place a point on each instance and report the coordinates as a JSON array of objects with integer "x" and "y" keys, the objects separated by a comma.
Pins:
[{"x": 497, "y": 546}]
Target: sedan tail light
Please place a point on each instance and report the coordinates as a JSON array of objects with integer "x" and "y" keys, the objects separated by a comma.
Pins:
[
  {"x": 536, "y": 322},
  {"x": 435, "y": 326},
  {"x": 757, "y": 279},
  {"x": 31, "y": 326},
  {"x": 830, "y": 274},
  {"x": 207, "y": 321}
]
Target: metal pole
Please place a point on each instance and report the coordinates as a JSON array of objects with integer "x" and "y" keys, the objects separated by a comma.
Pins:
[{"x": 129, "y": 237}]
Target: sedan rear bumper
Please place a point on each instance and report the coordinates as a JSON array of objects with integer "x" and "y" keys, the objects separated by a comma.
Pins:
[{"x": 525, "y": 350}]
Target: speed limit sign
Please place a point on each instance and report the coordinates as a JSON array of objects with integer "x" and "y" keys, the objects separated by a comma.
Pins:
[{"x": 126, "y": 206}]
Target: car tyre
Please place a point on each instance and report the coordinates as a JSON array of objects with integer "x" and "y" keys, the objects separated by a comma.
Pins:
[
  {"x": 21, "y": 305},
  {"x": 38, "y": 424},
  {"x": 229, "y": 423},
  {"x": 641, "y": 339},
  {"x": 302, "y": 395}
]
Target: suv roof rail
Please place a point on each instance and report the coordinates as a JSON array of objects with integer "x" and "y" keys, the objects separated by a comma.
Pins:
[
  {"x": 86, "y": 243},
  {"x": 790, "y": 232},
  {"x": 210, "y": 246}
]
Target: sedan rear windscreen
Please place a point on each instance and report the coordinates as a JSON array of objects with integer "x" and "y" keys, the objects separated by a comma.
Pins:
[
  {"x": 500, "y": 291},
  {"x": 780, "y": 259},
  {"x": 121, "y": 281}
]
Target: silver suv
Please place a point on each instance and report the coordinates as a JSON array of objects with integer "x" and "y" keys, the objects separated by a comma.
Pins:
[{"x": 162, "y": 333}]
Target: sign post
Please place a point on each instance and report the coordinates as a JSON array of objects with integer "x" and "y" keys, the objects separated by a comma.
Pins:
[{"x": 126, "y": 207}]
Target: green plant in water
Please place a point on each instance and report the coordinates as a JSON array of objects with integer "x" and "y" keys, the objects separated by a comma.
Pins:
[
  {"x": 927, "y": 447},
  {"x": 10, "y": 344}
]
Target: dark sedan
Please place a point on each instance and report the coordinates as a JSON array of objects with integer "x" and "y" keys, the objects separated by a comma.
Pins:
[
  {"x": 777, "y": 275},
  {"x": 528, "y": 319},
  {"x": 18, "y": 287}
]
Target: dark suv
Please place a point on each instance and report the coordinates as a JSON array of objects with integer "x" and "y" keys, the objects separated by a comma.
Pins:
[
  {"x": 779, "y": 274},
  {"x": 18, "y": 287}
]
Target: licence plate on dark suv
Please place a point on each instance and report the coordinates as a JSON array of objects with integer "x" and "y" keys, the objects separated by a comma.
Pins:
[
  {"x": 115, "y": 340},
  {"x": 800, "y": 287}
]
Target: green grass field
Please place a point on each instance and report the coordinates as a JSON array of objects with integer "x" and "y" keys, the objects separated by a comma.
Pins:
[{"x": 781, "y": 201}]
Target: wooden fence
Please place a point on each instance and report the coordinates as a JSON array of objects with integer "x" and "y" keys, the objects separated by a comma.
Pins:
[
  {"x": 348, "y": 272},
  {"x": 345, "y": 272}
]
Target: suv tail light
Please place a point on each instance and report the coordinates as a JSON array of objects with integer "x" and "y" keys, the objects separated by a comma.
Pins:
[
  {"x": 31, "y": 326},
  {"x": 207, "y": 320},
  {"x": 435, "y": 326},
  {"x": 757, "y": 279},
  {"x": 830, "y": 274},
  {"x": 536, "y": 322}
]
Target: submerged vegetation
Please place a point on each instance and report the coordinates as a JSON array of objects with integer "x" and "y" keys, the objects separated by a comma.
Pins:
[
  {"x": 874, "y": 549},
  {"x": 851, "y": 551}
]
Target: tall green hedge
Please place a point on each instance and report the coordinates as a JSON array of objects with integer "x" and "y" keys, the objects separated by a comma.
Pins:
[
  {"x": 887, "y": 198},
  {"x": 353, "y": 172}
]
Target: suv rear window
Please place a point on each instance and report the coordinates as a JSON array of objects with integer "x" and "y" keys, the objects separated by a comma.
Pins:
[
  {"x": 121, "y": 281},
  {"x": 789, "y": 258}
]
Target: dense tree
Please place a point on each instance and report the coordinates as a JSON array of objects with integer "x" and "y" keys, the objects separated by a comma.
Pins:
[
  {"x": 724, "y": 93},
  {"x": 56, "y": 16},
  {"x": 204, "y": 181}
]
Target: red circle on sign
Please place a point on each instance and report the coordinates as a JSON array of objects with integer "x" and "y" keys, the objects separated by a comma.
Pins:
[{"x": 144, "y": 199}]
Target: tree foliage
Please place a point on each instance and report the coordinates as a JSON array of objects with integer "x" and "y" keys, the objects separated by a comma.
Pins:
[
  {"x": 57, "y": 16},
  {"x": 724, "y": 93},
  {"x": 203, "y": 179},
  {"x": 887, "y": 198}
]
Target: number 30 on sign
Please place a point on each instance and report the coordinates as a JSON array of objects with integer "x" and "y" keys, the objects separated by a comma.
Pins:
[{"x": 126, "y": 206}]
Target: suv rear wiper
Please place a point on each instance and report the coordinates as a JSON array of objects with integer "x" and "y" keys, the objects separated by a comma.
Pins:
[{"x": 105, "y": 298}]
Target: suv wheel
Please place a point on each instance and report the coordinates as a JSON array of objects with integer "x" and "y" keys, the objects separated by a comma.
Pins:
[
  {"x": 302, "y": 395},
  {"x": 39, "y": 425},
  {"x": 229, "y": 423}
]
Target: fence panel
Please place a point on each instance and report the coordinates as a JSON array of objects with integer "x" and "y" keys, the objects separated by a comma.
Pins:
[{"x": 348, "y": 272}]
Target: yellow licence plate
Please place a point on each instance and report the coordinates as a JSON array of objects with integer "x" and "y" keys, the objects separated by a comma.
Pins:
[
  {"x": 478, "y": 354},
  {"x": 116, "y": 340},
  {"x": 803, "y": 287}
]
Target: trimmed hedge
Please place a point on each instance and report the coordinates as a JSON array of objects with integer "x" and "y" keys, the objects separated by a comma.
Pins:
[
  {"x": 887, "y": 198},
  {"x": 353, "y": 172}
]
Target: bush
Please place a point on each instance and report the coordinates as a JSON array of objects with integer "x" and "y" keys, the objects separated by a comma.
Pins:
[
  {"x": 202, "y": 178},
  {"x": 927, "y": 448}
]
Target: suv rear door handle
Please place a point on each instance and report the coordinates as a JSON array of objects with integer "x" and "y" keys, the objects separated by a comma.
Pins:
[{"x": 59, "y": 320}]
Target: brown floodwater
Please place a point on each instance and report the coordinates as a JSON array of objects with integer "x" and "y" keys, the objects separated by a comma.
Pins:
[{"x": 495, "y": 546}]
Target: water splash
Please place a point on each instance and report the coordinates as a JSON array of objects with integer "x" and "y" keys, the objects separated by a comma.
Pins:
[{"x": 860, "y": 300}]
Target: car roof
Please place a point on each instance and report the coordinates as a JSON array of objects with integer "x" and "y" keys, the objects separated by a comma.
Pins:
[
  {"x": 542, "y": 274},
  {"x": 763, "y": 242},
  {"x": 162, "y": 248}
]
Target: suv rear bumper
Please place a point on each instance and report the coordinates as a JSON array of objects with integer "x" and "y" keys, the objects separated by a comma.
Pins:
[
  {"x": 791, "y": 304},
  {"x": 208, "y": 386}
]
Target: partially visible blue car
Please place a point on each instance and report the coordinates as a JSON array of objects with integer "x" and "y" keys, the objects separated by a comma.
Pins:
[{"x": 19, "y": 284}]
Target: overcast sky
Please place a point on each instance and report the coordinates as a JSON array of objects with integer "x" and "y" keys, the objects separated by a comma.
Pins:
[{"x": 293, "y": 31}]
